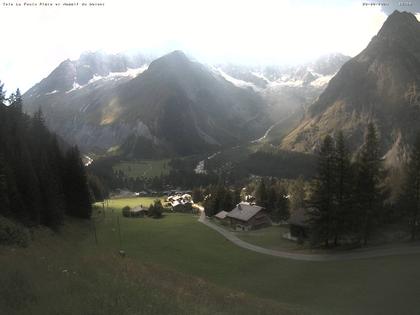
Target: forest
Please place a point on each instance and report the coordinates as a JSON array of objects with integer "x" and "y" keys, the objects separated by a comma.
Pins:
[{"x": 42, "y": 179}]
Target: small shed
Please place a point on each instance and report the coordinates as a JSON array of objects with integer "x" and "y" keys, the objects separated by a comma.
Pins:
[
  {"x": 221, "y": 216},
  {"x": 136, "y": 212},
  {"x": 298, "y": 224}
]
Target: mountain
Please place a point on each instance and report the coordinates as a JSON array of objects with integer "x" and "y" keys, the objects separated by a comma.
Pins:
[
  {"x": 91, "y": 66},
  {"x": 171, "y": 106},
  {"x": 381, "y": 84},
  {"x": 288, "y": 91}
]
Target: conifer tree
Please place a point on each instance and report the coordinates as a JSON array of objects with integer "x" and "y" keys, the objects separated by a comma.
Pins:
[
  {"x": 261, "y": 195},
  {"x": 281, "y": 209},
  {"x": 369, "y": 176},
  {"x": 75, "y": 186},
  {"x": 4, "y": 195},
  {"x": 343, "y": 214},
  {"x": 411, "y": 193},
  {"x": 322, "y": 199},
  {"x": 297, "y": 194}
]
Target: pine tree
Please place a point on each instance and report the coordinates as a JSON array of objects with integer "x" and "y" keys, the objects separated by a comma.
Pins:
[
  {"x": 4, "y": 194},
  {"x": 75, "y": 186},
  {"x": 281, "y": 212},
  {"x": 156, "y": 209},
  {"x": 197, "y": 195},
  {"x": 297, "y": 194},
  {"x": 261, "y": 195},
  {"x": 322, "y": 199},
  {"x": 2, "y": 93},
  {"x": 343, "y": 214},
  {"x": 369, "y": 178},
  {"x": 411, "y": 193}
]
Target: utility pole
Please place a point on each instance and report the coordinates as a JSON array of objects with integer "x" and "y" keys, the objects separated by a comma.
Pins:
[
  {"x": 119, "y": 231},
  {"x": 94, "y": 231}
]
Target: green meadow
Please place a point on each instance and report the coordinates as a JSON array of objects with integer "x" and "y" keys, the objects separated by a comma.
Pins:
[{"x": 176, "y": 265}]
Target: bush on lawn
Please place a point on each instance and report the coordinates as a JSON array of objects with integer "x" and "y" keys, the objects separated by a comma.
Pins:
[
  {"x": 156, "y": 209},
  {"x": 126, "y": 211},
  {"x": 12, "y": 233}
]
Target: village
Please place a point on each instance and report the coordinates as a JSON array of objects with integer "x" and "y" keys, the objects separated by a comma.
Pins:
[{"x": 245, "y": 216}]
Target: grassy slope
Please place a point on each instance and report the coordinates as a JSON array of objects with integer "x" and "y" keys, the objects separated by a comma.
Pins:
[
  {"x": 183, "y": 251},
  {"x": 270, "y": 237},
  {"x": 67, "y": 274}
]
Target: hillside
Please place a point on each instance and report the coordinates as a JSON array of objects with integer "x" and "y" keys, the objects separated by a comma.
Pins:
[
  {"x": 380, "y": 85},
  {"x": 168, "y": 270}
]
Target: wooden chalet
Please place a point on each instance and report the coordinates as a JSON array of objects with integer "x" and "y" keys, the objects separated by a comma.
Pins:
[{"x": 246, "y": 217}]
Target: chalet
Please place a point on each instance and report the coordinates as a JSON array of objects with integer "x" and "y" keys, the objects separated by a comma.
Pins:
[
  {"x": 298, "y": 224},
  {"x": 248, "y": 217}
]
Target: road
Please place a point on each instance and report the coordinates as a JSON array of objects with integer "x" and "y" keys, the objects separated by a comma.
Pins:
[{"x": 354, "y": 254}]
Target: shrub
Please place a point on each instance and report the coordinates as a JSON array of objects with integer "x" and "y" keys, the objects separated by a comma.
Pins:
[
  {"x": 12, "y": 233},
  {"x": 126, "y": 211},
  {"x": 156, "y": 209}
]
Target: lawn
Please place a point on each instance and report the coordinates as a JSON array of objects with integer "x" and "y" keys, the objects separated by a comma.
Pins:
[
  {"x": 118, "y": 204},
  {"x": 270, "y": 237},
  {"x": 143, "y": 168},
  {"x": 197, "y": 271}
]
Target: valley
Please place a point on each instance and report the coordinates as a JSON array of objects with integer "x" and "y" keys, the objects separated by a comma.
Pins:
[{"x": 232, "y": 165}]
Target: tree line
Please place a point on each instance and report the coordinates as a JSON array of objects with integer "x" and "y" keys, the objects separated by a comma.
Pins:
[
  {"x": 40, "y": 180},
  {"x": 349, "y": 197}
]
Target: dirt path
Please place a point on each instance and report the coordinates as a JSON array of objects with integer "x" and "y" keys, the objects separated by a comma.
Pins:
[{"x": 354, "y": 254}]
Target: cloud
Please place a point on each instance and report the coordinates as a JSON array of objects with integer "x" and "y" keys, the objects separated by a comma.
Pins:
[{"x": 36, "y": 40}]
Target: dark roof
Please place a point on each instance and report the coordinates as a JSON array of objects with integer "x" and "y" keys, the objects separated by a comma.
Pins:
[
  {"x": 244, "y": 211},
  {"x": 139, "y": 209},
  {"x": 221, "y": 215},
  {"x": 299, "y": 217}
]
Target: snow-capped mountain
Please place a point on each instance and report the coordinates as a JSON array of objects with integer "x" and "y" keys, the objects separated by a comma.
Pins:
[
  {"x": 88, "y": 69},
  {"x": 170, "y": 106},
  {"x": 317, "y": 74},
  {"x": 288, "y": 91}
]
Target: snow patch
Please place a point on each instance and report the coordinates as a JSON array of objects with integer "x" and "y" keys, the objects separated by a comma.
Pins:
[
  {"x": 130, "y": 73},
  {"x": 76, "y": 86},
  {"x": 234, "y": 81},
  {"x": 52, "y": 92},
  {"x": 322, "y": 80}
]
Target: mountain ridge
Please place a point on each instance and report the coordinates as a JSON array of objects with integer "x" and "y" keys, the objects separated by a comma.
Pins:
[
  {"x": 379, "y": 85},
  {"x": 175, "y": 106}
]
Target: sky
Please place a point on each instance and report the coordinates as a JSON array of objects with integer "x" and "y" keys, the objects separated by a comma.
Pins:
[{"x": 256, "y": 32}]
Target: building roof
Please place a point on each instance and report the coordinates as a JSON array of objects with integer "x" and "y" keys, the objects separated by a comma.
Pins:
[
  {"x": 299, "y": 217},
  {"x": 139, "y": 209},
  {"x": 221, "y": 215},
  {"x": 244, "y": 211}
]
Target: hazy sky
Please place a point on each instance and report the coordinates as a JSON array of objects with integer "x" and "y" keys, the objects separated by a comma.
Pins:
[{"x": 35, "y": 40}]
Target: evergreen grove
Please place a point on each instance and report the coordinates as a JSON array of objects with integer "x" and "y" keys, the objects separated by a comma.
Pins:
[
  {"x": 40, "y": 182},
  {"x": 349, "y": 198}
]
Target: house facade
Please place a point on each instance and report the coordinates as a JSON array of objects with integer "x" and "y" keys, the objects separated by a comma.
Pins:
[{"x": 245, "y": 217}]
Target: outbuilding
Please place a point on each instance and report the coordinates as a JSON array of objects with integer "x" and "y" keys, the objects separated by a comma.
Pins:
[{"x": 298, "y": 224}]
